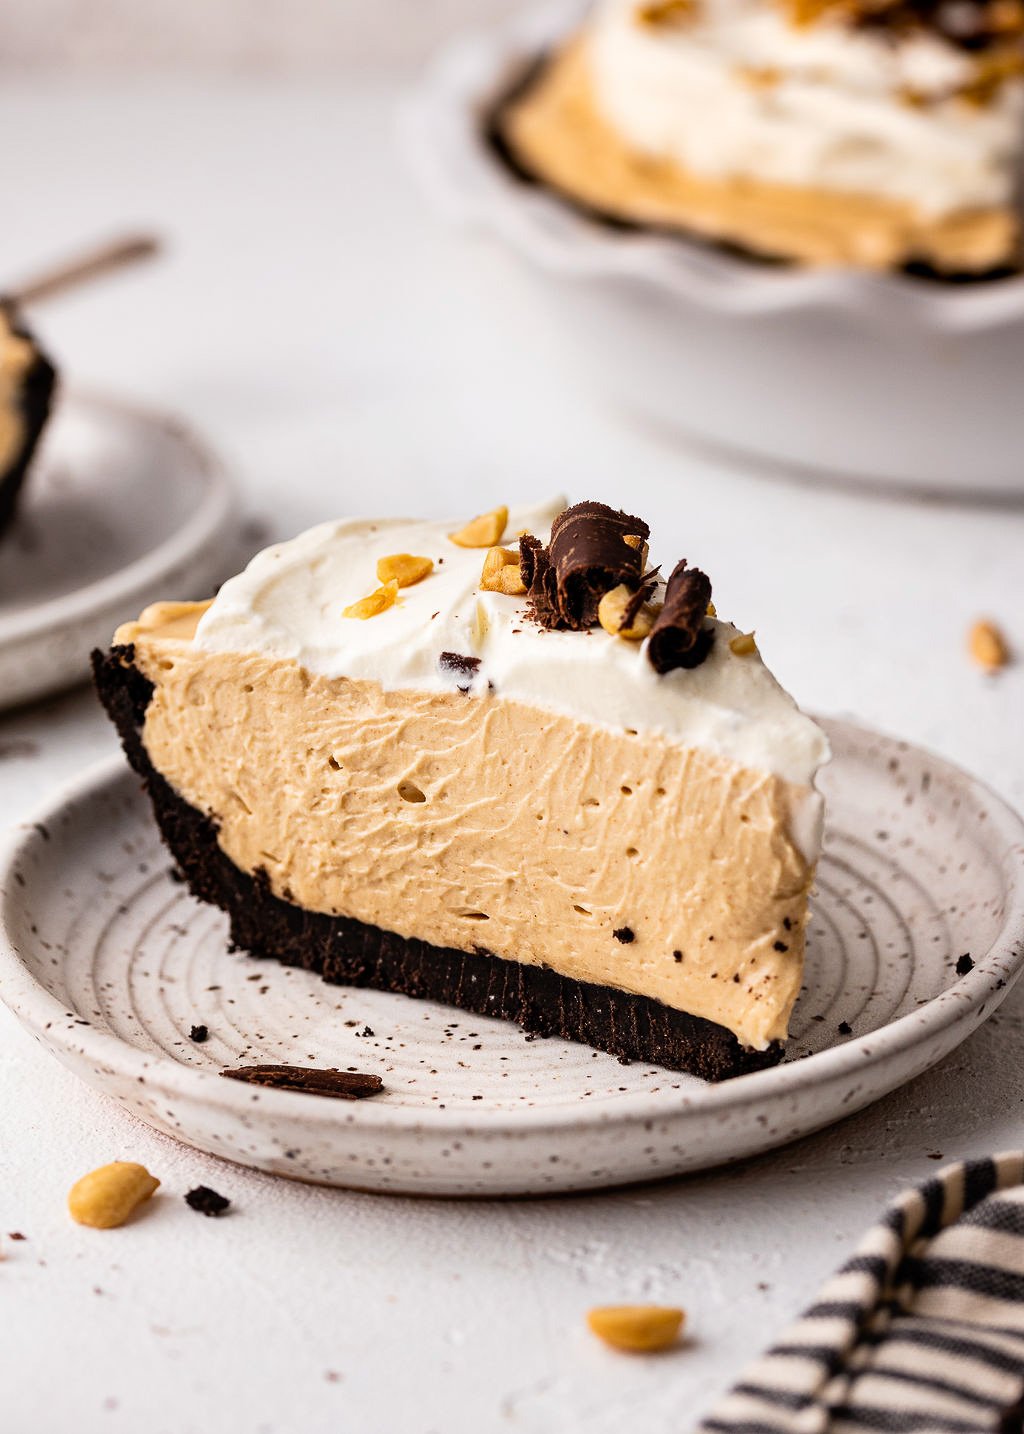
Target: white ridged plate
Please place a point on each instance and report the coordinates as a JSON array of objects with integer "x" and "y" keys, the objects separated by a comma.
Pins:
[
  {"x": 109, "y": 962},
  {"x": 121, "y": 506}
]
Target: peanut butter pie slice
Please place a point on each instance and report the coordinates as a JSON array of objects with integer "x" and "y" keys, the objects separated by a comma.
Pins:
[
  {"x": 877, "y": 133},
  {"x": 26, "y": 387},
  {"x": 526, "y": 776}
]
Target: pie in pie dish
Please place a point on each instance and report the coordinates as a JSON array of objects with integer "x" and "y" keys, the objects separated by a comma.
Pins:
[{"x": 873, "y": 133}]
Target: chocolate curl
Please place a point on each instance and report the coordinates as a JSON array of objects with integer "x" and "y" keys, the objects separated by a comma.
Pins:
[
  {"x": 539, "y": 578},
  {"x": 679, "y": 637},
  {"x": 587, "y": 556},
  {"x": 590, "y": 556}
]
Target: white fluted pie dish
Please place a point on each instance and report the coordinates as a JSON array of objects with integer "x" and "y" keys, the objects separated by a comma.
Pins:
[{"x": 888, "y": 379}]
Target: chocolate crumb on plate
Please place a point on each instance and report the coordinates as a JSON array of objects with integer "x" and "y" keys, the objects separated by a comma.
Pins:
[
  {"x": 844, "y": 1028},
  {"x": 199, "y": 1034},
  {"x": 964, "y": 964},
  {"x": 206, "y": 1201},
  {"x": 341, "y": 1085}
]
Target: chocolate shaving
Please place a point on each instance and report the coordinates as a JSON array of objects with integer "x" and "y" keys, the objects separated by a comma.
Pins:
[
  {"x": 539, "y": 578},
  {"x": 679, "y": 637},
  {"x": 643, "y": 594},
  {"x": 342, "y": 1085},
  {"x": 586, "y": 557},
  {"x": 454, "y": 664}
]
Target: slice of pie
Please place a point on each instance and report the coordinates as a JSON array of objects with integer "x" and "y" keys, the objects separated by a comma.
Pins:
[
  {"x": 536, "y": 782},
  {"x": 877, "y": 133},
  {"x": 26, "y": 387}
]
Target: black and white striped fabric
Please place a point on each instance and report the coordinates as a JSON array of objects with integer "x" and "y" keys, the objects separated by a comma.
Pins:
[{"x": 922, "y": 1330}]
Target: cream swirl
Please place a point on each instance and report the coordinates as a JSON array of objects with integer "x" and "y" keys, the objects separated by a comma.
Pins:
[{"x": 737, "y": 91}]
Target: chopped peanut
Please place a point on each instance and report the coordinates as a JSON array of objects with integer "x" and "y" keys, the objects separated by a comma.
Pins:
[
  {"x": 108, "y": 1196},
  {"x": 483, "y": 532},
  {"x": 745, "y": 645},
  {"x": 611, "y": 614},
  {"x": 641, "y": 1329},
  {"x": 988, "y": 646},
  {"x": 634, "y": 540},
  {"x": 404, "y": 568},
  {"x": 758, "y": 77},
  {"x": 501, "y": 573},
  {"x": 510, "y": 580},
  {"x": 661, "y": 12},
  {"x": 385, "y": 596}
]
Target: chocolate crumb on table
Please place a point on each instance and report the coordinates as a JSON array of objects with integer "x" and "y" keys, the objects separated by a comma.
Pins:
[
  {"x": 206, "y": 1201},
  {"x": 625, "y": 934},
  {"x": 199, "y": 1034}
]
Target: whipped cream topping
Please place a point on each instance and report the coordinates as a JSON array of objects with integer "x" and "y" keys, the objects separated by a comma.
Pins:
[
  {"x": 288, "y": 604},
  {"x": 735, "y": 90}
]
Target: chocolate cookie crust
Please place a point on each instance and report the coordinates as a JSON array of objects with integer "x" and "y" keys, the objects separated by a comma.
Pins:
[
  {"x": 348, "y": 952},
  {"x": 36, "y": 394}
]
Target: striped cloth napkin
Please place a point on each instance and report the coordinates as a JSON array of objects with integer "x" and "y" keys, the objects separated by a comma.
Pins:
[{"x": 922, "y": 1330}]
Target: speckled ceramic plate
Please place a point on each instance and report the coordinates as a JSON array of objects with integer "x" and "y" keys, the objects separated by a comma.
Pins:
[
  {"x": 121, "y": 506},
  {"x": 917, "y": 934}
]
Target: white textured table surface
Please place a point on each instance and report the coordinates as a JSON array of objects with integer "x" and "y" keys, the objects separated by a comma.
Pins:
[{"x": 349, "y": 356}]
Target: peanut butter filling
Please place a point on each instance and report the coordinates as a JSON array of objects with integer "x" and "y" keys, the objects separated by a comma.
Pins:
[
  {"x": 558, "y": 134},
  {"x": 482, "y": 823}
]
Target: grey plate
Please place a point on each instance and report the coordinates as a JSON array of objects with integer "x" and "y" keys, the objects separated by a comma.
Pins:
[
  {"x": 121, "y": 507},
  {"x": 109, "y": 962}
]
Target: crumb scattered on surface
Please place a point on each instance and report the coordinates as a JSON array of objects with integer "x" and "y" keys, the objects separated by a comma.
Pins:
[
  {"x": 199, "y": 1034},
  {"x": 206, "y": 1201},
  {"x": 964, "y": 964}
]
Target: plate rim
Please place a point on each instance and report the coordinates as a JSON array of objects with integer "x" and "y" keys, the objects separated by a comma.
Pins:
[
  {"x": 205, "y": 523},
  {"x": 987, "y": 984}
]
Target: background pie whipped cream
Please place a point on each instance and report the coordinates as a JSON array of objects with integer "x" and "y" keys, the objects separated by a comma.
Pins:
[{"x": 734, "y": 88}]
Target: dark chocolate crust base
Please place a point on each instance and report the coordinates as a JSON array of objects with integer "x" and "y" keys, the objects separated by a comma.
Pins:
[
  {"x": 34, "y": 401},
  {"x": 350, "y": 953}
]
